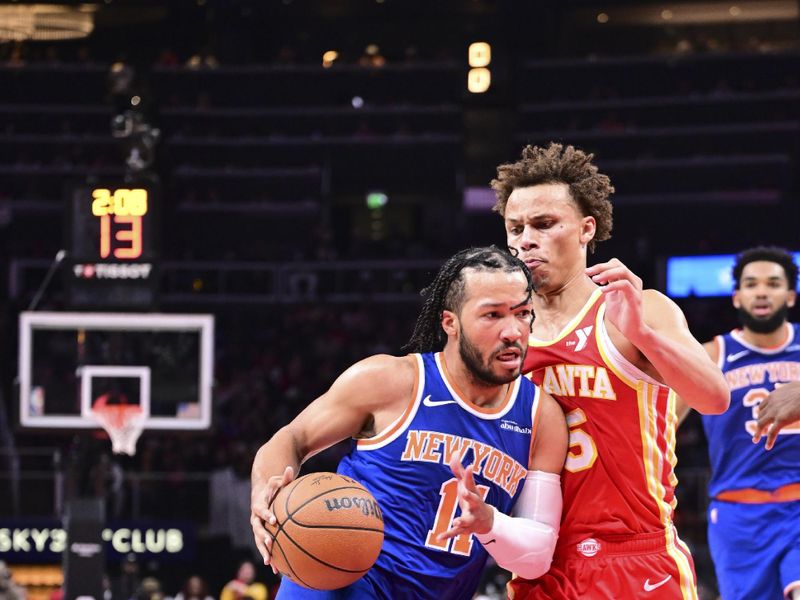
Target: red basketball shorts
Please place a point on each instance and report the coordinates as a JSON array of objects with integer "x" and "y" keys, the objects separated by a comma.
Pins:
[{"x": 652, "y": 566}]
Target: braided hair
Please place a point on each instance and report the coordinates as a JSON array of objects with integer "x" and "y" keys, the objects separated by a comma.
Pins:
[{"x": 448, "y": 292}]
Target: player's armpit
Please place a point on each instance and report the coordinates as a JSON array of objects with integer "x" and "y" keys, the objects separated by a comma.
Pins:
[
  {"x": 379, "y": 385},
  {"x": 682, "y": 409},
  {"x": 377, "y": 388}
]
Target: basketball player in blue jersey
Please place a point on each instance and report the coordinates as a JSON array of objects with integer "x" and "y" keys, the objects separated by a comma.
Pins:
[
  {"x": 754, "y": 514},
  {"x": 452, "y": 424}
]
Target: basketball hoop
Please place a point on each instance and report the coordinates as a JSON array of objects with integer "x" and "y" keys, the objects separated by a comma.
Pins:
[{"x": 124, "y": 424}]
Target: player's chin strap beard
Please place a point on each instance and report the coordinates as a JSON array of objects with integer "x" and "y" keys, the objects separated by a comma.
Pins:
[{"x": 767, "y": 325}]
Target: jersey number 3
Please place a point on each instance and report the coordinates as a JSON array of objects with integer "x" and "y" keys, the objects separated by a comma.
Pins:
[
  {"x": 461, "y": 544},
  {"x": 755, "y": 397}
]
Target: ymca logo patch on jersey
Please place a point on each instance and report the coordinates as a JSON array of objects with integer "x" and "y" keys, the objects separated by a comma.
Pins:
[{"x": 583, "y": 338}]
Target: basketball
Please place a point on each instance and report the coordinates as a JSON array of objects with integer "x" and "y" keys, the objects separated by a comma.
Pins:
[{"x": 328, "y": 531}]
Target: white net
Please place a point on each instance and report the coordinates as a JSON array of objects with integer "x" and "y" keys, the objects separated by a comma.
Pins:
[{"x": 124, "y": 424}]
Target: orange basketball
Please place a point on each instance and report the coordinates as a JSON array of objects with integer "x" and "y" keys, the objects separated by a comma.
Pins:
[{"x": 328, "y": 533}]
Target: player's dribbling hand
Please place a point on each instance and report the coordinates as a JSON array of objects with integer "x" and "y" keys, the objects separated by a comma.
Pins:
[
  {"x": 623, "y": 295},
  {"x": 261, "y": 497},
  {"x": 476, "y": 516},
  {"x": 779, "y": 409}
]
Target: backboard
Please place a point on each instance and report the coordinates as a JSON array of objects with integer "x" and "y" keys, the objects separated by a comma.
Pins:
[{"x": 71, "y": 362}]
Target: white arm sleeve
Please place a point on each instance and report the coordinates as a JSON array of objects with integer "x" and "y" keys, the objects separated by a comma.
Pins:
[{"x": 524, "y": 544}]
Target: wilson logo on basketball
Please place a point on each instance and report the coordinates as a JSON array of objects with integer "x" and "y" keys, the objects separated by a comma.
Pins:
[{"x": 366, "y": 506}]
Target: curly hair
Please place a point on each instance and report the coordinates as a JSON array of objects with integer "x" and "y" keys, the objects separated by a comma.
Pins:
[
  {"x": 589, "y": 188},
  {"x": 771, "y": 254},
  {"x": 448, "y": 292}
]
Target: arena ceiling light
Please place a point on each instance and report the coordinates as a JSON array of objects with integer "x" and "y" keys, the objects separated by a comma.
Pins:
[
  {"x": 479, "y": 80},
  {"x": 479, "y": 77},
  {"x": 328, "y": 58},
  {"x": 45, "y": 22},
  {"x": 704, "y": 12},
  {"x": 480, "y": 54}
]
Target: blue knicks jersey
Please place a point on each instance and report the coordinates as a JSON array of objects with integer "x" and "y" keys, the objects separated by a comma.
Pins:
[
  {"x": 406, "y": 467},
  {"x": 752, "y": 373}
]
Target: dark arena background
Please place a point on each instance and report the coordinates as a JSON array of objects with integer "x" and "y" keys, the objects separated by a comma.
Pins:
[{"x": 212, "y": 207}]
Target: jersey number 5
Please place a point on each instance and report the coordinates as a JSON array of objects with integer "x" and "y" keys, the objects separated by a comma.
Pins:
[
  {"x": 461, "y": 544},
  {"x": 582, "y": 451}
]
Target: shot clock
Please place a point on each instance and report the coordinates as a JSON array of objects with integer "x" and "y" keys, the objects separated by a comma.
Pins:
[{"x": 113, "y": 246}]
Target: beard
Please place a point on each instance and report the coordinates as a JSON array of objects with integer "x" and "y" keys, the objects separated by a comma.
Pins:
[
  {"x": 766, "y": 324},
  {"x": 481, "y": 370}
]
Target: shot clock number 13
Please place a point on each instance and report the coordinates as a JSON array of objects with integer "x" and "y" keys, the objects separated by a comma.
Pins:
[{"x": 122, "y": 207}]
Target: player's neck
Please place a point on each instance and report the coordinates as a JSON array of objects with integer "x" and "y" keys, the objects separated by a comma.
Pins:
[
  {"x": 468, "y": 386},
  {"x": 773, "y": 339},
  {"x": 566, "y": 301}
]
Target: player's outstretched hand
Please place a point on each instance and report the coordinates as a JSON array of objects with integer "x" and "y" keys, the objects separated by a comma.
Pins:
[
  {"x": 261, "y": 496},
  {"x": 476, "y": 516},
  {"x": 623, "y": 292},
  {"x": 779, "y": 409}
]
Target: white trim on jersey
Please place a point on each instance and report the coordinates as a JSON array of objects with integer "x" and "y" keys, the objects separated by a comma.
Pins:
[
  {"x": 720, "y": 350},
  {"x": 569, "y": 327},
  {"x": 736, "y": 335},
  {"x": 467, "y": 406},
  {"x": 403, "y": 420},
  {"x": 621, "y": 363}
]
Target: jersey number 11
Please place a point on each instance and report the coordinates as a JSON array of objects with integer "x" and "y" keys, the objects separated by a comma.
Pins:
[{"x": 461, "y": 544}]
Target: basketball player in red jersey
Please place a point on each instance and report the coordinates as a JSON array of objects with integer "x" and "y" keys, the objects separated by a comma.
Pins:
[{"x": 614, "y": 356}]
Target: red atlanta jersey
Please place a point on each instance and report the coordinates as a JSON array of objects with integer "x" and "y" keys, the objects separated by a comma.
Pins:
[{"x": 619, "y": 475}]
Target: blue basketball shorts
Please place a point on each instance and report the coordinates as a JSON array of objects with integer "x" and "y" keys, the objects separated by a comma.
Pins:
[
  {"x": 755, "y": 548},
  {"x": 360, "y": 590}
]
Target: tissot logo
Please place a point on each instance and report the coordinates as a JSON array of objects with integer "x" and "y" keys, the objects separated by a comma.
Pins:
[{"x": 112, "y": 270}]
